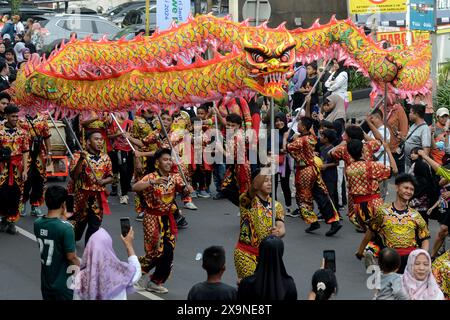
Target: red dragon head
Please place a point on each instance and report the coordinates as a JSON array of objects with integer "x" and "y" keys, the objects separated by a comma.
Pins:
[{"x": 270, "y": 62}]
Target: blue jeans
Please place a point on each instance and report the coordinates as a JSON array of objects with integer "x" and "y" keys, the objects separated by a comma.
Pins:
[{"x": 218, "y": 174}]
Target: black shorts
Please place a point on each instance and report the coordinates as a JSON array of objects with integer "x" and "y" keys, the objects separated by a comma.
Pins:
[{"x": 445, "y": 218}]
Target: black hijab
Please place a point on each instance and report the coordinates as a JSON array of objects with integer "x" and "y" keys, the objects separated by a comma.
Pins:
[{"x": 270, "y": 280}]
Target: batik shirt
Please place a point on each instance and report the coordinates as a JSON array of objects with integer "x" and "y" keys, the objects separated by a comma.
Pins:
[
  {"x": 302, "y": 149},
  {"x": 399, "y": 229},
  {"x": 256, "y": 219},
  {"x": 441, "y": 271},
  {"x": 369, "y": 148},
  {"x": 18, "y": 141},
  {"x": 363, "y": 177},
  {"x": 41, "y": 129},
  {"x": 102, "y": 169},
  {"x": 141, "y": 130},
  {"x": 161, "y": 197}
]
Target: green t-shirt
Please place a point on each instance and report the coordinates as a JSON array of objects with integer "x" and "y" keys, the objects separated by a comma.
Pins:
[{"x": 56, "y": 238}]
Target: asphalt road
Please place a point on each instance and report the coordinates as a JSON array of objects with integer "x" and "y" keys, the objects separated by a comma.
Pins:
[{"x": 215, "y": 223}]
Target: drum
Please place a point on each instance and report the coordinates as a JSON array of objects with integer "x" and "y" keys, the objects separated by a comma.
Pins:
[{"x": 58, "y": 147}]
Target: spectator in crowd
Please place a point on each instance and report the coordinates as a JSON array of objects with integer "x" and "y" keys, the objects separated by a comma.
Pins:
[
  {"x": 5, "y": 99},
  {"x": 29, "y": 25},
  {"x": 2, "y": 51},
  {"x": 19, "y": 28},
  {"x": 10, "y": 58},
  {"x": 37, "y": 36},
  {"x": 445, "y": 220},
  {"x": 439, "y": 144},
  {"x": 102, "y": 275},
  {"x": 324, "y": 285},
  {"x": 338, "y": 81},
  {"x": 56, "y": 241},
  {"x": 418, "y": 280},
  {"x": 398, "y": 126},
  {"x": 19, "y": 48},
  {"x": 8, "y": 27},
  {"x": 375, "y": 123},
  {"x": 333, "y": 110},
  {"x": 426, "y": 192},
  {"x": 419, "y": 134},
  {"x": 213, "y": 288},
  {"x": 7, "y": 41},
  {"x": 270, "y": 281},
  {"x": 4, "y": 73},
  {"x": 296, "y": 83},
  {"x": 391, "y": 287},
  {"x": 308, "y": 84}
]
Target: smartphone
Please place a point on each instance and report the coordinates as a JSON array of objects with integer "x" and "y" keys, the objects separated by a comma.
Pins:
[
  {"x": 125, "y": 226},
  {"x": 330, "y": 259}
]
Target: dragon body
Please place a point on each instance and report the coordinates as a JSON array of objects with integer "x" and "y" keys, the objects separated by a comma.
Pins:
[{"x": 119, "y": 75}]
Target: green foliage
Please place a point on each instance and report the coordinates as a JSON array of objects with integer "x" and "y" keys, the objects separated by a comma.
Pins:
[
  {"x": 443, "y": 95},
  {"x": 444, "y": 72},
  {"x": 15, "y": 6},
  {"x": 356, "y": 80}
]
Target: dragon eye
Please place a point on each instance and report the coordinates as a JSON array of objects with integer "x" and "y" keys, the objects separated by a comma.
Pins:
[
  {"x": 257, "y": 57},
  {"x": 285, "y": 57}
]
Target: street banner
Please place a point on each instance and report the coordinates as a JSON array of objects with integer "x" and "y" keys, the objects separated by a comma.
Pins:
[
  {"x": 422, "y": 15},
  {"x": 398, "y": 38},
  {"x": 171, "y": 10},
  {"x": 375, "y": 6}
]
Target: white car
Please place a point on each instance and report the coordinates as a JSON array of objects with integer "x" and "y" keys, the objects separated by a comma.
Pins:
[{"x": 60, "y": 26}]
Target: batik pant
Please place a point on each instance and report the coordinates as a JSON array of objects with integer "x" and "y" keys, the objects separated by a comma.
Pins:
[
  {"x": 35, "y": 184},
  {"x": 245, "y": 263},
  {"x": 310, "y": 186},
  {"x": 236, "y": 182},
  {"x": 159, "y": 246},
  {"x": 88, "y": 212},
  {"x": 10, "y": 200},
  {"x": 139, "y": 202}
]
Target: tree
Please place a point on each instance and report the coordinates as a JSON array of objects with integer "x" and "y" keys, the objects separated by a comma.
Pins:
[{"x": 15, "y": 6}]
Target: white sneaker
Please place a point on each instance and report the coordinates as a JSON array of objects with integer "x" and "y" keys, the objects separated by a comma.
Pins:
[
  {"x": 190, "y": 206},
  {"x": 153, "y": 287},
  {"x": 142, "y": 283},
  {"x": 123, "y": 200}
]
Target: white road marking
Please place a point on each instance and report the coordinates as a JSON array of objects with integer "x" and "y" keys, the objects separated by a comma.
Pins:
[
  {"x": 26, "y": 233},
  {"x": 30, "y": 236}
]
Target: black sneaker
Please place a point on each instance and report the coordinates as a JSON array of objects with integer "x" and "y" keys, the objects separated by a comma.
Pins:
[
  {"x": 312, "y": 227},
  {"x": 11, "y": 228},
  {"x": 335, "y": 227},
  {"x": 182, "y": 223},
  {"x": 293, "y": 214},
  {"x": 3, "y": 225},
  {"x": 113, "y": 191}
]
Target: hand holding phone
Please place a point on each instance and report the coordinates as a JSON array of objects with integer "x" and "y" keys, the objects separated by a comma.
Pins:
[
  {"x": 330, "y": 259},
  {"x": 125, "y": 226}
]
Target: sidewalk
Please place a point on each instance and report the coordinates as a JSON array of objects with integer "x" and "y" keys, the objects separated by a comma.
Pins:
[{"x": 358, "y": 109}]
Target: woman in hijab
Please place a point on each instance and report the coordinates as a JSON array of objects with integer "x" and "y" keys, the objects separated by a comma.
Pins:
[
  {"x": 102, "y": 275},
  {"x": 338, "y": 81},
  {"x": 425, "y": 191},
  {"x": 334, "y": 111},
  {"x": 418, "y": 280},
  {"x": 285, "y": 162},
  {"x": 270, "y": 280},
  {"x": 18, "y": 50}
]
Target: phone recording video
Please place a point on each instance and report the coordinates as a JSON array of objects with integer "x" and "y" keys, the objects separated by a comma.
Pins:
[{"x": 125, "y": 226}]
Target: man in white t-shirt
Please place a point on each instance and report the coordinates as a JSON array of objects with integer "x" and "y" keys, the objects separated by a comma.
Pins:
[{"x": 376, "y": 124}]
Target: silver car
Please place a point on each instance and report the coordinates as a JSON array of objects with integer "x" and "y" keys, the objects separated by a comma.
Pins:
[{"x": 60, "y": 26}]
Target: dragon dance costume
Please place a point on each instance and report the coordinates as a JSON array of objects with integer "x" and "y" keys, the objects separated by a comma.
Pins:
[
  {"x": 90, "y": 198},
  {"x": 255, "y": 225},
  {"x": 37, "y": 173},
  {"x": 441, "y": 271},
  {"x": 160, "y": 227},
  {"x": 308, "y": 182}
]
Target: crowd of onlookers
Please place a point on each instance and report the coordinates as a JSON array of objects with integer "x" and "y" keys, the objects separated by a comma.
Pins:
[{"x": 18, "y": 42}]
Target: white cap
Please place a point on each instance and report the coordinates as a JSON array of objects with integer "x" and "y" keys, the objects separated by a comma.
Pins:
[{"x": 442, "y": 111}]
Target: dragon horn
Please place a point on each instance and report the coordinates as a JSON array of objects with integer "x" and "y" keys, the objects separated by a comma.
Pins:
[
  {"x": 281, "y": 27},
  {"x": 245, "y": 23}
]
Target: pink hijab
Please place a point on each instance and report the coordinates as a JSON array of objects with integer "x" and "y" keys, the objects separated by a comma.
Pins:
[
  {"x": 420, "y": 290},
  {"x": 102, "y": 275}
]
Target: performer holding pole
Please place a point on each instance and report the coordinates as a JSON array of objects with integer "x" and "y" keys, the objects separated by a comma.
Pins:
[
  {"x": 121, "y": 130},
  {"x": 90, "y": 172}
]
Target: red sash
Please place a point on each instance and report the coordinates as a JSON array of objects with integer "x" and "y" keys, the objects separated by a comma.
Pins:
[
  {"x": 247, "y": 248},
  {"x": 365, "y": 198},
  {"x": 173, "y": 223},
  {"x": 405, "y": 251}
]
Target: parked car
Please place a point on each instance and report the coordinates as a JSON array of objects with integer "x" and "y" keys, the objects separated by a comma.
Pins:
[
  {"x": 60, "y": 26},
  {"x": 26, "y": 12},
  {"x": 130, "y": 32},
  {"x": 137, "y": 16},
  {"x": 117, "y": 14}
]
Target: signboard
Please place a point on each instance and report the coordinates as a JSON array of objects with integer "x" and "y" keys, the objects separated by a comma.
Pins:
[
  {"x": 398, "y": 38},
  {"x": 422, "y": 15},
  {"x": 171, "y": 10},
  {"x": 374, "y": 6}
]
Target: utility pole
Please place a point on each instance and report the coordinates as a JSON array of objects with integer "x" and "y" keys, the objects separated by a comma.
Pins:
[{"x": 197, "y": 7}]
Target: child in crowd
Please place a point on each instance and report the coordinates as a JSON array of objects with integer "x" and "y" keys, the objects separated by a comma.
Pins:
[{"x": 391, "y": 287}]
